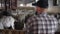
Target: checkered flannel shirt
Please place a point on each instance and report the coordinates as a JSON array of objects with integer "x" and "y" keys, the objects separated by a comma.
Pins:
[{"x": 41, "y": 24}]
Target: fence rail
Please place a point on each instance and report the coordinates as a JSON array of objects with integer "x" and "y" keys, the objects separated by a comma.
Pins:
[{"x": 11, "y": 32}]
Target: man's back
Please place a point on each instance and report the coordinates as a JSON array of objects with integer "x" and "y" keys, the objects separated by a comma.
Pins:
[{"x": 41, "y": 24}]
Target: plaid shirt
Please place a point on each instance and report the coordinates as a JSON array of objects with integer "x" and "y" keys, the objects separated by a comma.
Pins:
[{"x": 41, "y": 24}]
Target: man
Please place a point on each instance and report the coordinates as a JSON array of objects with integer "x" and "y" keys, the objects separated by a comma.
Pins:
[{"x": 41, "y": 22}]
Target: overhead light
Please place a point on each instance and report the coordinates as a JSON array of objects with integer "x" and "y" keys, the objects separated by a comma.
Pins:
[
  {"x": 36, "y": 0},
  {"x": 21, "y": 5}
]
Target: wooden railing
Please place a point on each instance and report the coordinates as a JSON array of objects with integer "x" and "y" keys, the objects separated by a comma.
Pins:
[{"x": 11, "y": 32}]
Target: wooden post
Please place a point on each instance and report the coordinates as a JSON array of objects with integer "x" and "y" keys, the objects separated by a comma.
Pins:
[{"x": 13, "y": 4}]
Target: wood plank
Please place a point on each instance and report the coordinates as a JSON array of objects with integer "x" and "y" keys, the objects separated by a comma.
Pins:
[{"x": 12, "y": 31}]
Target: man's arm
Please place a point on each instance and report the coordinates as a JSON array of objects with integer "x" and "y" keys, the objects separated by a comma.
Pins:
[
  {"x": 28, "y": 25},
  {"x": 31, "y": 26}
]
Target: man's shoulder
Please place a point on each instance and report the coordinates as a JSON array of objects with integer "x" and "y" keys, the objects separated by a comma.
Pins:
[
  {"x": 30, "y": 18},
  {"x": 51, "y": 17}
]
